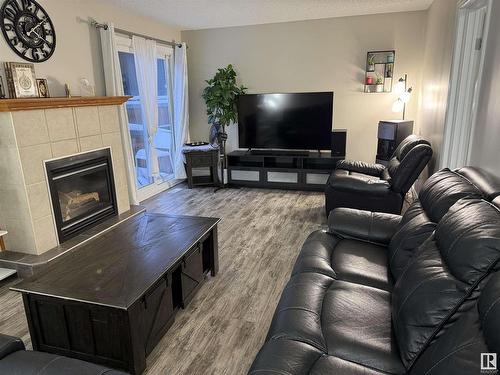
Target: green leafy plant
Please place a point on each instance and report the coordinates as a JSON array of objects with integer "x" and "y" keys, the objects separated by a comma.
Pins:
[
  {"x": 379, "y": 80},
  {"x": 221, "y": 95}
]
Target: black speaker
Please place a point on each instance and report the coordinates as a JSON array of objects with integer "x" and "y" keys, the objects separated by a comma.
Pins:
[{"x": 339, "y": 139}]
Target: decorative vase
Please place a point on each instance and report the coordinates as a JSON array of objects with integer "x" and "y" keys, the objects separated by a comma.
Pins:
[
  {"x": 369, "y": 80},
  {"x": 379, "y": 88}
]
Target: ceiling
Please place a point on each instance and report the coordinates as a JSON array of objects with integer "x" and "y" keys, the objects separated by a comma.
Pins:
[{"x": 203, "y": 14}]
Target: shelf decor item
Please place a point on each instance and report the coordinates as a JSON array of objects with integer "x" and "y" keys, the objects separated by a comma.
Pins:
[
  {"x": 379, "y": 71},
  {"x": 221, "y": 95},
  {"x": 371, "y": 63},
  {"x": 2, "y": 88},
  {"x": 43, "y": 88},
  {"x": 379, "y": 84},
  {"x": 21, "y": 80}
]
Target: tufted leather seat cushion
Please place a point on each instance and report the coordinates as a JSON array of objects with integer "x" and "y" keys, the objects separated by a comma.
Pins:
[
  {"x": 298, "y": 315},
  {"x": 316, "y": 254},
  {"x": 343, "y": 319},
  {"x": 356, "y": 321}
]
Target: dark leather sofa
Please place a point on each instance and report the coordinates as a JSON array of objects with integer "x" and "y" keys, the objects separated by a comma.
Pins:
[
  {"x": 15, "y": 360},
  {"x": 374, "y": 187},
  {"x": 379, "y": 293}
]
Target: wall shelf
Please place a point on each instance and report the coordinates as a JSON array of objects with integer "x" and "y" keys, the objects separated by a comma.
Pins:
[
  {"x": 11, "y": 105},
  {"x": 379, "y": 65}
]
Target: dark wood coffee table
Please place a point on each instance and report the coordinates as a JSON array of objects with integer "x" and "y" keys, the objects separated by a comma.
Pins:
[{"x": 111, "y": 300}]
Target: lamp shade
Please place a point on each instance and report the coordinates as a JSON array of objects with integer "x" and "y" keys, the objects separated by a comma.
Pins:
[
  {"x": 398, "y": 106},
  {"x": 400, "y": 87},
  {"x": 405, "y": 97}
]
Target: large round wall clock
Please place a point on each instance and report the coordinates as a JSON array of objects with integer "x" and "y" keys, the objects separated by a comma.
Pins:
[{"x": 28, "y": 29}]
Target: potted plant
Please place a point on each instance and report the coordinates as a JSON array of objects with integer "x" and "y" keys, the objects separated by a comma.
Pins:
[
  {"x": 371, "y": 63},
  {"x": 379, "y": 84},
  {"x": 220, "y": 96}
]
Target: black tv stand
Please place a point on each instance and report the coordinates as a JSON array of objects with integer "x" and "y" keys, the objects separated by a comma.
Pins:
[
  {"x": 278, "y": 152},
  {"x": 280, "y": 169}
]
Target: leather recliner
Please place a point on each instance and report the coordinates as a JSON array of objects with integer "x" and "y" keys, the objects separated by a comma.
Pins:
[
  {"x": 374, "y": 187},
  {"x": 380, "y": 293},
  {"x": 15, "y": 360}
]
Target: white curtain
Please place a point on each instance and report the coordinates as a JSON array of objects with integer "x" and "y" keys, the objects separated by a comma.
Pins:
[
  {"x": 181, "y": 114},
  {"x": 147, "y": 80},
  {"x": 114, "y": 87}
]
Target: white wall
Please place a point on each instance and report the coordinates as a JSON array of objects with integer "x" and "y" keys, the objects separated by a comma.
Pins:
[
  {"x": 78, "y": 49},
  {"x": 318, "y": 55},
  {"x": 486, "y": 135},
  {"x": 439, "y": 38}
]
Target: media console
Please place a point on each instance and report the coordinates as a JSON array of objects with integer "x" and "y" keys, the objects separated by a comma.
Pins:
[{"x": 280, "y": 170}]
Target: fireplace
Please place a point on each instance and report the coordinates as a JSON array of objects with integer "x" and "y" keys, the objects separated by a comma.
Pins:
[{"x": 82, "y": 191}]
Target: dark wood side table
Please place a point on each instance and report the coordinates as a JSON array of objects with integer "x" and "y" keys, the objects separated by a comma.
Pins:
[{"x": 200, "y": 158}]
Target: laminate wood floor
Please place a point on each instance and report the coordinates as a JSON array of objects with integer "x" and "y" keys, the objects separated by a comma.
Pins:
[{"x": 222, "y": 329}]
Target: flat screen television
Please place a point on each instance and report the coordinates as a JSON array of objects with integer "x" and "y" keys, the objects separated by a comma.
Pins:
[{"x": 297, "y": 121}]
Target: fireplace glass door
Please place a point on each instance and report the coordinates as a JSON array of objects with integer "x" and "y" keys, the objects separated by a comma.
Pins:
[{"x": 82, "y": 191}]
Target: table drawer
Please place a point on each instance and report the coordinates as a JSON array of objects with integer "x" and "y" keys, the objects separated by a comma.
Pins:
[{"x": 203, "y": 160}]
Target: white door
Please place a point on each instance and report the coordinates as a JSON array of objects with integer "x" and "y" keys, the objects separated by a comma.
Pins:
[{"x": 147, "y": 184}]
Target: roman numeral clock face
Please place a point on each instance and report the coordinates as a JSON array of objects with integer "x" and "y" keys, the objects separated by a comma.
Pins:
[{"x": 28, "y": 29}]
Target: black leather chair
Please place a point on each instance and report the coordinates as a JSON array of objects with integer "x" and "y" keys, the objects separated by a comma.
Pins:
[
  {"x": 374, "y": 187},
  {"x": 15, "y": 360},
  {"x": 380, "y": 293}
]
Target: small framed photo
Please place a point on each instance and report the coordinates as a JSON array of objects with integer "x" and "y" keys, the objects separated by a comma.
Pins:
[
  {"x": 22, "y": 80},
  {"x": 43, "y": 88}
]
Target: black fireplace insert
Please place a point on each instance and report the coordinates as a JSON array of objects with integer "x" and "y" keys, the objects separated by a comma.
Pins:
[{"x": 82, "y": 191}]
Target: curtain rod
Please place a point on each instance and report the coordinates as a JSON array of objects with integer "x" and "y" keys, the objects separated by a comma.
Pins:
[{"x": 98, "y": 25}]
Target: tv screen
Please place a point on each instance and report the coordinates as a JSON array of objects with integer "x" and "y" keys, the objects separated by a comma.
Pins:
[{"x": 300, "y": 121}]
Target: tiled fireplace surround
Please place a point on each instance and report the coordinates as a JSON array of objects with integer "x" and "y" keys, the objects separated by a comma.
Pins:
[{"x": 27, "y": 139}]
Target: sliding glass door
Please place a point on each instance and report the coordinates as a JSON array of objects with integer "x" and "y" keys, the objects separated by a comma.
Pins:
[{"x": 148, "y": 183}]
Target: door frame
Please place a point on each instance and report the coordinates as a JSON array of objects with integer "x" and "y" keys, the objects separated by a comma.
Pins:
[{"x": 464, "y": 90}]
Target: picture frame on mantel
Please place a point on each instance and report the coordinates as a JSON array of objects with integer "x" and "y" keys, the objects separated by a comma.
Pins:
[
  {"x": 43, "y": 88},
  {"x": 21, "y": 80}
]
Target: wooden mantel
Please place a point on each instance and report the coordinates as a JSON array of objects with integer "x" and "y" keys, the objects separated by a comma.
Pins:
[{"x": 10, "y": 105}]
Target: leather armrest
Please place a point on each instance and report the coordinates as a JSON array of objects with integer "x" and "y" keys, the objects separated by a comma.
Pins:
[
  {"x": 361, "y": 167},
  {"x": 9, "y": 344},
  {"x": 360, "y": 185},
  {"x": 376, "y": 227}
]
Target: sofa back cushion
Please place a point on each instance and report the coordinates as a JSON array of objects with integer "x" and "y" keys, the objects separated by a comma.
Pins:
[
  {"x": 487, "y": 183},
  {"x": 443, "y": 274},
  {"x": 442, "y": 190},
  {"x": 414, "y": 228}
]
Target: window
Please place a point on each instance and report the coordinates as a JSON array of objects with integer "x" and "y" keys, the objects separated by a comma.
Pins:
[{"x": 163, "y": 142}]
